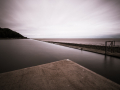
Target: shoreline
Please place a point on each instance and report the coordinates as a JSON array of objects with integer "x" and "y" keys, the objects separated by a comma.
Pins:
[{"x": 91, "y": 48}]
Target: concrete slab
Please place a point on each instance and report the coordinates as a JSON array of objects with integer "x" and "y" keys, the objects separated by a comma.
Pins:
[{"x": 59, "y": 75}]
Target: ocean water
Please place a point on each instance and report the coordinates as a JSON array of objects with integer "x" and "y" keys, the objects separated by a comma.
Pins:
[{"x": 93, "y": 41}]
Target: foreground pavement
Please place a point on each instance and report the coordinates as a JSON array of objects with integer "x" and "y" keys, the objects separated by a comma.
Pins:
[{"x": 59, "y": 75}]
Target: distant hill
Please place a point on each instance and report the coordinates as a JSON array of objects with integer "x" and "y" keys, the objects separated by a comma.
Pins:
[{"x": 6, "y": 33}]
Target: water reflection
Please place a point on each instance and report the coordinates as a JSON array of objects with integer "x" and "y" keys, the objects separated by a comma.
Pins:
[
  {"x": 17, "y": 54},
  {"x": 108, "y": 62},
  {"x": 111, "y": 62},
  {"x": 105, "y": 61}
]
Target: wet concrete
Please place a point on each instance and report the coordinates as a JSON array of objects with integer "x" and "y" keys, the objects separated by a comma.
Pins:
[{"x": 59, "y": 75}]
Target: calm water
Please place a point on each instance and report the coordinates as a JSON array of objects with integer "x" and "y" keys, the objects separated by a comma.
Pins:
[
  {"x": 18, "y": 54},
  {"x": 84, "y": 41}
]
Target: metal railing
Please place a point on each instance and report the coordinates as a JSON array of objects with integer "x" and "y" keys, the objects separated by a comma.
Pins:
[{"x": 111, "y": 45}]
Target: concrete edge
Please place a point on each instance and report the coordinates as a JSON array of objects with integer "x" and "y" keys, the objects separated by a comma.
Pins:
[
  {"x": 34, "y": 66},
  {"x": 96, "y": 74},
  {"x": 68, "y": 60},
  {"x": 86, "y": 50}
]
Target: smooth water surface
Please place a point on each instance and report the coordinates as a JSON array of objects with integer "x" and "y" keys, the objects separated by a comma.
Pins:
[{"x": 21, "y": 53}]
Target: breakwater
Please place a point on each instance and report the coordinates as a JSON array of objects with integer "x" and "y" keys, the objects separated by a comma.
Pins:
[{"x": 111, "y": 51}]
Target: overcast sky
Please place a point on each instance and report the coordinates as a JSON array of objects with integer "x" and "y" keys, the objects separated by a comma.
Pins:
[{"x": 62, "y": 18}]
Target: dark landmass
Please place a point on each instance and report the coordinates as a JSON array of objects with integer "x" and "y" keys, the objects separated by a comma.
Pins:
[
  {"x": 6, "y": 33},
  {"x": 111, "y": 51}
]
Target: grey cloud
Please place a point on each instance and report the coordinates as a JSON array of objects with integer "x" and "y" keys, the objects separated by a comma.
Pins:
[{"x": 29, "y": 15}]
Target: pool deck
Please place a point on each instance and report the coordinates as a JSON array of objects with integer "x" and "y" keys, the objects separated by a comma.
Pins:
[{"x": 59, "y": 75}]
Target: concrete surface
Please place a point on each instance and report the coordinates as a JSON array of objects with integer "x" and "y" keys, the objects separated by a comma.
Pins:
[
  {"x": 59, "y": 75},
  {"x": 115, "y": 54}
]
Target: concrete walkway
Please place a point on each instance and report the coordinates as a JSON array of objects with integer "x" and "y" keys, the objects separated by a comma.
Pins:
[
  {"x": 59, "y": 75},
  {"x": 76, "y": 46}
]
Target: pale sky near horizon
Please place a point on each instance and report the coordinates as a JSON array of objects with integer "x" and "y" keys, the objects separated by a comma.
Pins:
[{"x": 62, "y": 18}]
